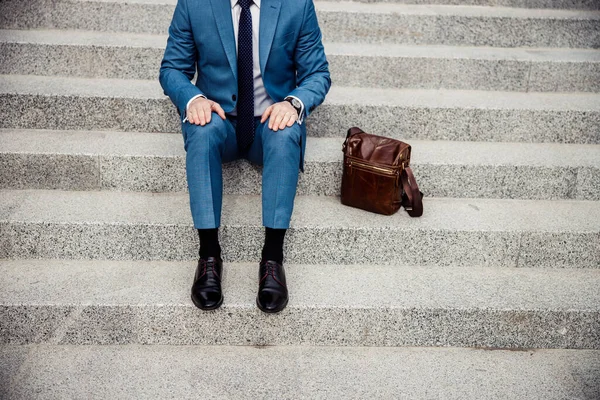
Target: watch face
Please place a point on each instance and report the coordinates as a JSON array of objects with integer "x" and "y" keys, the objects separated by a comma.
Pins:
[{"x": 295, "y": 103}]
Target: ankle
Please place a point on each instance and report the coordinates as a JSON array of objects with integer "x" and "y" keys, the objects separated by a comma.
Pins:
[
  {"x": 209, "y": 243},
  {"x": 273, "y": 248}
]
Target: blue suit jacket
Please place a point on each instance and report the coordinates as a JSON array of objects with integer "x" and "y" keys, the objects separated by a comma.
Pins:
[{"x": 292, "y": 58}]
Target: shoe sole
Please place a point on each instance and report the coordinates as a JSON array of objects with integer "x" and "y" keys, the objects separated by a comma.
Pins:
[
  {"x": 200, "y": 306},
  {"x": 271, "y": 311}
]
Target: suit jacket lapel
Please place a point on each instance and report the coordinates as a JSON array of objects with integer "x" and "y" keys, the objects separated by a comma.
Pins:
[
  {"x": 222, "y": 12},
  {"x": 269, "y": 16}
]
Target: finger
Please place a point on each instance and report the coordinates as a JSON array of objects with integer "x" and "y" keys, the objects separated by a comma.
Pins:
[
  {"x": 292, "y": 120},
  {"x": 266, "y": 114},
  {"x": 192, "y": 117},
  {"x": 219, "y": 110},
  {"x": 207, "y": 109},
  {"x": 277, "y": 120},
  {"x": 273, "y": 117},
  {"x": 201, "y": 116},
  {"x": 284, "y": 120}
]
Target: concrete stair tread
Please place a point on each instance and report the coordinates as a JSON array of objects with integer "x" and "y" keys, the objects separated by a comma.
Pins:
[
  {"x": 385, "y": 7},
  {"x": 155, "y": 162},
  {"x": 463, "y": 52},
  {"x": 120, "y": 283},
  {"x": 83, "y": 38},
  {"x": 432, "y": 114},
  {"x": 311, "y": 212},
  {"x": 379, "y": 22},
  {"x": 533, "y": 4},
  {"x": 322, "y": 150},
  {"x": 91, "y": 302},
  {"x": 454, "y": 10},
  {"x": 156, "y": 41},
  {"x": 298, "y": 372},
  {"x": 150, "y": 89}
]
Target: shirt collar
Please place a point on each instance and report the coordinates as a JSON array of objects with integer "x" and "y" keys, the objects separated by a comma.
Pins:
[{"x": 234, "y": 3}]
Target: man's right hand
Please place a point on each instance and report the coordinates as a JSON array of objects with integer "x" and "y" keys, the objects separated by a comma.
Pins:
[{"x": 200, "y": 111}]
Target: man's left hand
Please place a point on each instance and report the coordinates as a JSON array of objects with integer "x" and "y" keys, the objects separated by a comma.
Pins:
[{"x": 282, "y": 114}]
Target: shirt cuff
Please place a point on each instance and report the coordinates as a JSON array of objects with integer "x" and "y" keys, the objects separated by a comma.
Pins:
[
  {"x": 301, "y": 115},
  {"x": 190, "y": 102}
]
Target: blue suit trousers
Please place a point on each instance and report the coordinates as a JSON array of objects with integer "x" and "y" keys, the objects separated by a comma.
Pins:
[{"x": 209, "y": 147}]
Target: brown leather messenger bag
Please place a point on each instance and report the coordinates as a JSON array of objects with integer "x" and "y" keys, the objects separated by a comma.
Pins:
[{"x": 377, "y": 175}]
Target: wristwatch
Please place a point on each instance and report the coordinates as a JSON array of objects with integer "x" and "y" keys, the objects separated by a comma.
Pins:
[{"x": 295, "y": 103}]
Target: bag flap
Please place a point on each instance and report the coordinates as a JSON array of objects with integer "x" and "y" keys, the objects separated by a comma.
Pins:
[{"x": 376, "y": 149}]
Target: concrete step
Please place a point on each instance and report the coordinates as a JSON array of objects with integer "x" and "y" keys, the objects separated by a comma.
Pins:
[
  {"x": 137, "y": 56},
  {"x": 553, "y": 4},
  {"x": 155, "y": 162},
  {"x": 36, "y": 102},
  {"x": 340, "y": 21},
  {"x": 453, "y": 232},
  {"x": 298, "y": 372},
  {"x": 92, "y": 302},
  {"x": 458, "y": 25}
]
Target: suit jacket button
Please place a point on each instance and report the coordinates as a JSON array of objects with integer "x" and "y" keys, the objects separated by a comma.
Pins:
[{"x": 233, "y": 97}]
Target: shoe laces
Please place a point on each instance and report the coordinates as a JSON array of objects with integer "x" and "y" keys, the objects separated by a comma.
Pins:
[
  {"x": 270, "y": 268},
  {"x": 205, "y": 264}
]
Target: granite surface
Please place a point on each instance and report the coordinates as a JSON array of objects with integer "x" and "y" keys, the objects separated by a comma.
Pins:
[
  {"x": 355, "y": 22},
  {"x": 301, "y": 372},
  {"x": 559, "y": 4},
  {"x": 82, "y": 61},
  {"x": 559, "y": 249},
  {"x": 138, "y": 226},
  {"x": 56, "y": 103},
  {"x": 343, "y": 26},
  {"x": 11, "y": 360},
  {"x": 459, "y": 124},
  {"x": 134, "y": 56},
  {"x": 49, "y": 171},
  {"x": 588, "y": 183},
  {"x": 329, "y": 305},
  {"x": 80, "y": 160},
  {"x": 86, "y": 15},
  {"x": 565, "y": 77}
]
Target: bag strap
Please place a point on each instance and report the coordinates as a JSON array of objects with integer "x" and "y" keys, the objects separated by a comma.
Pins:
[
  {"x": 413, "y": 199},
  {"x": 354, "y": 131}
]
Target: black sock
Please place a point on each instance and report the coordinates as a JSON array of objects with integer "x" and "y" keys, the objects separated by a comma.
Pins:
[
  {"x": 209, "y": 243},
  {"x": 273, "y": 249}
]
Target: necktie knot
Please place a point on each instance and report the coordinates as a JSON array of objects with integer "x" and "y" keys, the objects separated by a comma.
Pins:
[{"x": 245, "y": 3}]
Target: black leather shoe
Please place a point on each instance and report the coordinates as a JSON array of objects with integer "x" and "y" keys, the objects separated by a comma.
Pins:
[
  {"x": 272, "y": 289},
  {"x": 206, "y": 290}
]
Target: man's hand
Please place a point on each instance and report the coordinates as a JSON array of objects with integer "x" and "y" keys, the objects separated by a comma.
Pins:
[
  {"x": 200, "y": 111},
  {"x": 282, "y": 114}
]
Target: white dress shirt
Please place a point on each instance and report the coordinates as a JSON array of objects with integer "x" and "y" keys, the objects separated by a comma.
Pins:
[{"x": 262, "y": 100}]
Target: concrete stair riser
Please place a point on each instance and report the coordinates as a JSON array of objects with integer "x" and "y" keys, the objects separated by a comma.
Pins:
[
  {"x": 167, "y": 174},
  {"x": 499, "y": 71},
  {"x": 97, "y": 303},
  {"x": 556, "y": 4},
  {"x": 330, "y": 120},
  {"x": 299, "y": 372},
  {"x": 72, "y": 160},
  {"x": 350, "y": 22},
  {"x": 461, "y": 30},
  {"x": 146, "y": 242},
  {"x": 453, "y": 232},
  {"x": 158, "y": 324}
]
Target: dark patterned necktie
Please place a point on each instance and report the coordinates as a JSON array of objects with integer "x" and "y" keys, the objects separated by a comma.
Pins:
[{"x": 245, "y": 105}]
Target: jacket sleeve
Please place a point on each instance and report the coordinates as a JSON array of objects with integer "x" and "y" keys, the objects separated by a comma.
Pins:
[
  {"x": 312, "y": 69},
  {"x": 178, "y": 66}
]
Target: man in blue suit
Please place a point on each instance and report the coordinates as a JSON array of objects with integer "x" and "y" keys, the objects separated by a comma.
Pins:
[{"x": 261, "y": 70}]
